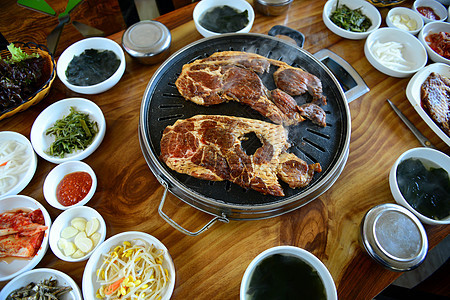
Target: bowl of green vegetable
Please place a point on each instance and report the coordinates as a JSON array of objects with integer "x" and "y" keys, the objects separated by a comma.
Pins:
[
  {"x": 351, "y": 19},
  {"x": 35, "y": 70},
  {"x": 70, "y": 129}
]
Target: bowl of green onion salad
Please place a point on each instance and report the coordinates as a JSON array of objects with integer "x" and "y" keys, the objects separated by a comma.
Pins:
[
  {"x": 351, "y": 19},
  {"x": 68, "y": 130}
]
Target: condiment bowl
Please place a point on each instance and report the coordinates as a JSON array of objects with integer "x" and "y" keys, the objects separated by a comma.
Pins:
[
  {"x": 272, "y": 7},
  {"x": 410, "y": 14},
  {"x": 430, "y": 158},
  {"x": 205, "y": 5},
  {"x": 437, "y": 7},
  {"x": 64, "y": 220},
  {"x": 57, "y": 174},
  {"x": 90, "y": 284},
  {"x": 39, "y": 275},
  {"x": 307, "y": 257},
  {"x": 431, "y": 28},
  {"x": 413, "y": 52},
  {"x": 367, "y": 9},
  {"x": 30, "y": 164},
  {"x": 11, "y": 267},
  {"x": 79, "y": 47},
  {"x": 47, "y": 118}
]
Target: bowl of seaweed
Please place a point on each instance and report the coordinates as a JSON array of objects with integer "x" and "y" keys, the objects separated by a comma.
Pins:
[{"x": 27, "y": 71}]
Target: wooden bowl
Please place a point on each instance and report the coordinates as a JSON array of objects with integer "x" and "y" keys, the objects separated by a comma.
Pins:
[{"x": 49, "y": 74}]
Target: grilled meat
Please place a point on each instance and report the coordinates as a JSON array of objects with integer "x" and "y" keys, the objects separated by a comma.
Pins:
[
  {"x": 435, "y": 97},
  {"x": 232, "y": 76},
  {"x": 209, "y": 147}
]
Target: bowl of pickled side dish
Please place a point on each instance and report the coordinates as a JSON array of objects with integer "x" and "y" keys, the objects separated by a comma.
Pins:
[
  {"x": 419, "y": 180},
  {"x": 335, "y": 15},
  {"x": 284, "y": 272},
  {"x": 430, "y": 10},
  {"x": 434, "y": 36},
  {"x": 214, "y": 17},
  {"x": 91, "y": 66}
]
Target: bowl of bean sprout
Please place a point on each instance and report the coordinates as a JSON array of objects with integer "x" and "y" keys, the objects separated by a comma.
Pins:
[{"x": 18, "y": 163}]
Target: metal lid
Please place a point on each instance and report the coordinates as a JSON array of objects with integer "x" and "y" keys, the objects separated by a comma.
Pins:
[
  {"x": 275, "y": 2},
  {"x": 146, "y": 38},
  {"x": 394, "y": 237}
]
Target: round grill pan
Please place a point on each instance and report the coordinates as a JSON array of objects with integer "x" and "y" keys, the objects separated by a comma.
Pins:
[{"x": 162, "y": 105}]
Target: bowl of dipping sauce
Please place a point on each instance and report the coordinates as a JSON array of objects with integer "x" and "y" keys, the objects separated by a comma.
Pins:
[
  {"x": 430, "y": 10},
  {"x": 214, "y": 17},
  {"x": 405, "y": 19},
  {"x": 434, "y": 36},
  {"x": 336, "y": 16},
  {"x": 91, "y": 66},
  {"x": 419, "y": 180},
  {"x": 285, "y": 272},
  {"x": 395, "y": 52},
  {"x": 70, "y": 184}
]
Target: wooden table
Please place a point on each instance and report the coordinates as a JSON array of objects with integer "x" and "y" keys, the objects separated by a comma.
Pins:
[{"x": 211, "y": 265}]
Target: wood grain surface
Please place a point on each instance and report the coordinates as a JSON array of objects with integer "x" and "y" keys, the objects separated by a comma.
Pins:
[{"x": 211, "y": 265}]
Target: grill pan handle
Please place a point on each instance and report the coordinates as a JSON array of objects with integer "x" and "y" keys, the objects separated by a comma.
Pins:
[
  {"x": 297, "y": 36},
  {"x": 179, "y": 227}
]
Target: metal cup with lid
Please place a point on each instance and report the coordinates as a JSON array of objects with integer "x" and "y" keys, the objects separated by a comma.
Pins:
[
  {"x": 394, "y": 237},
  {"x": 147, "y": 41},
  {"x": 272, "y": 7}
]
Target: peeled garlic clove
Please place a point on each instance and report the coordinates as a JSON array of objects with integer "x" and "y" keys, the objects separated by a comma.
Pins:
[
  {"x": 95, "y": 237},
  {"x": 62, "y": 243},
  {"x": 84, "y": 244},
  {"x": 79, "y": 223},
  {"x": 92, "y": 226},
  {"x": 78, "y": 254},
  {"x": 69, "y": 249},
  {"x": 69, "y": 232},
  {"x": 79, "y": 236}
]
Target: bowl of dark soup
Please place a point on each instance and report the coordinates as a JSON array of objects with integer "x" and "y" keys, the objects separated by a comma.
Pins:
[{"x": 287, "y": 272}]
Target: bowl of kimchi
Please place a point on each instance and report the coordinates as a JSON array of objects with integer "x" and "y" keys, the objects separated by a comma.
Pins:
[
  {"x": 22, "y": 247},
  {"x": 435, "y": 37}
]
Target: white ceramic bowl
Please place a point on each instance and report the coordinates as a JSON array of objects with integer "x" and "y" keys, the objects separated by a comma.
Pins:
[
  {"x": 12, "y": 267},
  {"x": 63, "y": 221},
  {"x": 205, "y": 5},
  {"x": 90, "y": 285},
  {"x": 367, "y": 9},
  {"x": 41, "y": 142},
  {"x": 79, "y": 47},
  {"x": 311, "y": 259},
  {"x": 430, "y": 158},
  {"x": 438, "y": 8},
  {"x": 413, "y": 51},
  {"x": 38, "y": 275},
  {"x": 414, "y": 16},
  {"x": 434, "y": 27},
  {"x": 24, "y": 177},
  {"x": 57, "y": 174}
]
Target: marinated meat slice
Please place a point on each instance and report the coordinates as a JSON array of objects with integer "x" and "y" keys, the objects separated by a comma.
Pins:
[
  {"x": 232, "y": 76},
  {"x": 295, "y": 81},
  {"x": 209, "y": 147},
  {"x": 287, "y": 105},
  {"x": 435, "y": 96},
  {"x": 296, "y": 172},
  {"x": 313, "y": 112}
]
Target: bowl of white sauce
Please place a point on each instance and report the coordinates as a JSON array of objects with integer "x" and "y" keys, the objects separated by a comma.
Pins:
[{"x": 395, "y": 52}]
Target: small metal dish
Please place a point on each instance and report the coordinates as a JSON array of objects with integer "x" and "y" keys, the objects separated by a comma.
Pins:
[
  {"x": 147, "y": 41},
  {"x": 272, "y": 7}
]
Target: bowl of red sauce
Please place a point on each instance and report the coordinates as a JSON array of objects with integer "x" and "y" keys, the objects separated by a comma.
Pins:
[
  {"x": 435, "y": 36},
  {"x": 70, "y": 184},
  {"x": 431, "y": 10}
]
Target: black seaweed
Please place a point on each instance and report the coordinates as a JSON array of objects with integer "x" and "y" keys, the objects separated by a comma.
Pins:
[
  {"x": 223, "y": 19},
  {"x": 92, "y": 67}
]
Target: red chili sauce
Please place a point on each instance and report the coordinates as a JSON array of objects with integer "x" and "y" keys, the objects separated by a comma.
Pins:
[
  {"x": 428, "y": 13},
  {"x": 73, "y": 188},
  {"x": 440, "y": 43}
]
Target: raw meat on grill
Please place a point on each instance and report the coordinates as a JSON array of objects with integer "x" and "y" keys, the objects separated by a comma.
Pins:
[
  {"x": 435, "y": 97},
  {"x": 232, "y": 76},
  {"x": 209, "y": 147}
]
